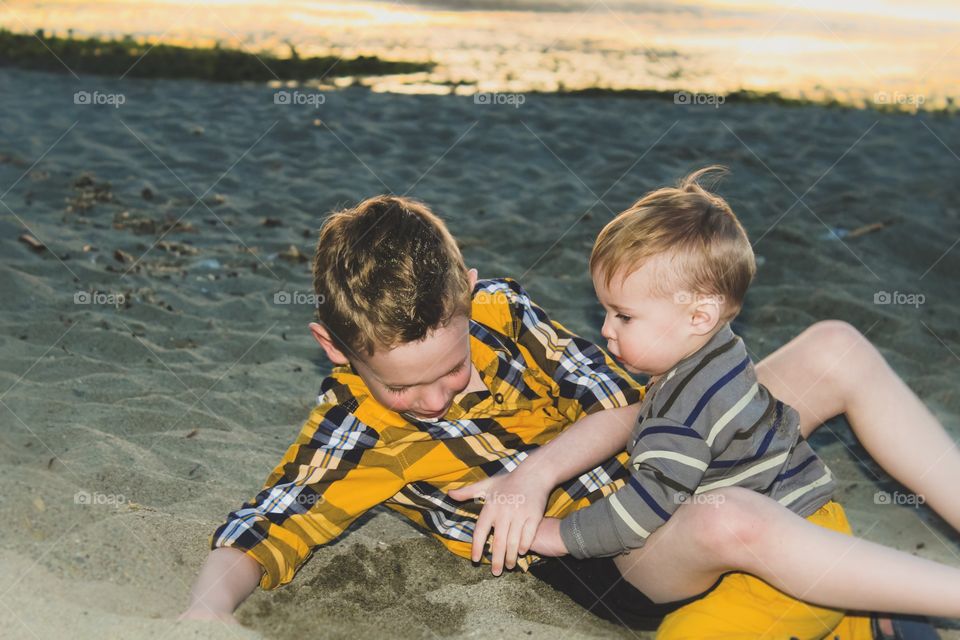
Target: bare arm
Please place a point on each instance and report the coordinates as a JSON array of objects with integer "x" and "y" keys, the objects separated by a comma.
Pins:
[
  {"x": 227, "y": 577},
  {"x": 515, "y": 502},
  {"x": 586, "y": 443}
]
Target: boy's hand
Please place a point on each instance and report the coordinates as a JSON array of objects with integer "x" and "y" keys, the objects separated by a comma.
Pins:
[
  {"x": 227, "y": 577},
  {"x": 513, "y": 507},
  {"x": 205, "y": 613},
  {"x": 548, "y": 542}
]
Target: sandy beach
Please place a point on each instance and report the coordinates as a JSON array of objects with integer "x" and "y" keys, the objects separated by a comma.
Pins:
[{"x": 156, "y": 360}]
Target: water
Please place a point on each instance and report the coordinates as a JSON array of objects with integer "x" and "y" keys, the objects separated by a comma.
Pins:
[{"x": 861, "y": 52}]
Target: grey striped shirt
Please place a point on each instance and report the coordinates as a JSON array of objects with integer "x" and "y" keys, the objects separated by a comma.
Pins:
[{"x": 705, "y": 424}]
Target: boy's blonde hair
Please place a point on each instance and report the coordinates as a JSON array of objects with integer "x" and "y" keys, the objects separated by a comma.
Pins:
[
  {"x": 386, "y": 272},
  {"x": 708, "y": 248}
]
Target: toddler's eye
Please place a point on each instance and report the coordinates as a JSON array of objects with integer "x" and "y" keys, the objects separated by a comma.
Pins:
[
  {"x": 623, "y": 318},
  {"x": 396, "y": 390}
]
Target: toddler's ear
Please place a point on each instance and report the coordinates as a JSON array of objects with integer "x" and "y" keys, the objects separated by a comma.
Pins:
[
  {"x": 472, "y": 276},
  {"x": 322, "y": 336},
  {"x": 706, "y": 314}
]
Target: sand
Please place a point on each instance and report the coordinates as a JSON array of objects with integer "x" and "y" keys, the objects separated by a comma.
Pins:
[{"x": 129, "y": 429}]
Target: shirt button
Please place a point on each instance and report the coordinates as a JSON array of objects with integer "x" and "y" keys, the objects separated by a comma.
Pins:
[{"x": 499, "y": 398}]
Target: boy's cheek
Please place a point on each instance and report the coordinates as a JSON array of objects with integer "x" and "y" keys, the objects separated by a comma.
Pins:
[
  {"x": 386, "y": 399},
  {"x": 628, "y": 361},
  {"x": 463, "y": 380}
]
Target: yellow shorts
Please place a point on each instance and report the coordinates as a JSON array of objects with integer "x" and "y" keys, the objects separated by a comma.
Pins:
[{"x": 743, "y": 607}]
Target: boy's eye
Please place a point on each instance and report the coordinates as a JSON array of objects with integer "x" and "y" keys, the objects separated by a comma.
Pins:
[
  {"x": 399, "y": 390},
  {"x": 623, "y": 318}
]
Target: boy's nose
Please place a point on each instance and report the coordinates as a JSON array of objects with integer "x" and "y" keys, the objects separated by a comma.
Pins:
[{"x": 434, "y": 402}]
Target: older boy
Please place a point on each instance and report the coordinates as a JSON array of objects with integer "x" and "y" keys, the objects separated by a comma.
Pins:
[{"x": 440, "y": 380}]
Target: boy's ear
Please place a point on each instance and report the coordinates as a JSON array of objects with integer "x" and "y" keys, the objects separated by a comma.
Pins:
[
  {"x": 706, "y": 314},
  {"x": 322, "y": 336},
  {"x": 472, "y": 276}
]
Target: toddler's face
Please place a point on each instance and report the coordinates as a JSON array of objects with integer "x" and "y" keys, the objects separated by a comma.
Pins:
[{"x": 647, "y": 333}]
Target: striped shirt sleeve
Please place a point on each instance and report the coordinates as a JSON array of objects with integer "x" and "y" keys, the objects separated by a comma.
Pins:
[
  {"x": 587, "y": 378},
  {"x": 668, "y": 461},
  {"x": 334, "y": 472}
]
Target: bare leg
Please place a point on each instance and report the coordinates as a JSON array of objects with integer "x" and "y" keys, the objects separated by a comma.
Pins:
[
  {"x": 748, "y": 532},
  {"x": 831, "y": 369}
]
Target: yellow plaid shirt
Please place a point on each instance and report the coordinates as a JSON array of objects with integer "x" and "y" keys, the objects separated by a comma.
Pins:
[{"x": 353, "y": 453}]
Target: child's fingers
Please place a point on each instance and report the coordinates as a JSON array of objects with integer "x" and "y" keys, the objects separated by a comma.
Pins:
[
  {"x": 481, "y": 531},
  {"x": 499, "y": 547},
  {"x": 528, "y": 535},
  {"x": 468, "y": 492},
  {"x": 513, "y": 543}
]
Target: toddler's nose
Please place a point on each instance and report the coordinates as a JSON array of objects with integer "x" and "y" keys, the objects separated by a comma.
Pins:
[{"x": 605, "y": 331}]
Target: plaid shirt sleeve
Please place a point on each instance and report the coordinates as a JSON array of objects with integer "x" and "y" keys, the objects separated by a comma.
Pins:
[
  {"x": 587, "y": 379},
  {"x": 334, "y": 472}
]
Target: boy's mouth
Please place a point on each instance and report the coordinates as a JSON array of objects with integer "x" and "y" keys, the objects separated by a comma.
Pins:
[{"x": 433, "y": 416}]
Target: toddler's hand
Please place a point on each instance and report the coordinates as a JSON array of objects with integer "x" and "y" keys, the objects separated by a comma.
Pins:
[{"x": 513, "y": 507}]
